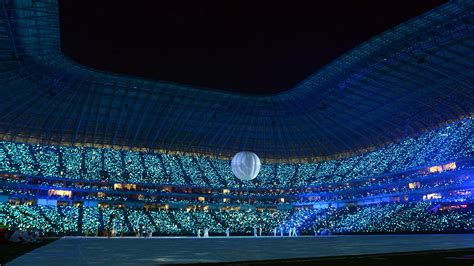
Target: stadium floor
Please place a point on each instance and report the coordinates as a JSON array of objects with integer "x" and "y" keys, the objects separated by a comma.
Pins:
[{"x": 171, "y": 250}]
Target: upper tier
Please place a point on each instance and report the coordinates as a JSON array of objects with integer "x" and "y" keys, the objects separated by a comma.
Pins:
[
  {"x": 452, "y": 142},
  {"x": 407, "y": 80}
]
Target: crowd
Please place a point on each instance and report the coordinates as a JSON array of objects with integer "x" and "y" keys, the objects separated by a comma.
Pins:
[
  {"x": 416, "y": 182},
  {"x": 92, "y": 173},
  {"x": 395, "y": 218},
  {"x": 448, "y": 143},
  {"x": 377, "y": 218}
]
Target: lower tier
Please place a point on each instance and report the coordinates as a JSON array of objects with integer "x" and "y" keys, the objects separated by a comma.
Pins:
[{"x": 379, "y": 218}]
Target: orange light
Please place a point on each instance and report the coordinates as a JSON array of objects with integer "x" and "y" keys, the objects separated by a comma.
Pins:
[
  {"x": 62, "y": 193},
  {"x": 435, "y": 169},
  {"x": 449, "y": 166}
]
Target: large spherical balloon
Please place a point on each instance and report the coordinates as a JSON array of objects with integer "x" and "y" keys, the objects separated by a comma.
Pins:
[{"x": 245, "y": 165}]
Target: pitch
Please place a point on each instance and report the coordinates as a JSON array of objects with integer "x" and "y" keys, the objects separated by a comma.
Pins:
[{"x": 176, "y": 250}]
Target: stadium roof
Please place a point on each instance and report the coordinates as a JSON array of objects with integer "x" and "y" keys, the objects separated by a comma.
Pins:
[{"x": 408, "y": 79}]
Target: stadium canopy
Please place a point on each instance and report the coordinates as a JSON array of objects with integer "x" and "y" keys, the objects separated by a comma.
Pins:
[{"x": 411, "y": 78}]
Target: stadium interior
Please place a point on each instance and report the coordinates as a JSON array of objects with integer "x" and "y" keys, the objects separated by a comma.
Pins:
[{"x": 379, "y": 141}]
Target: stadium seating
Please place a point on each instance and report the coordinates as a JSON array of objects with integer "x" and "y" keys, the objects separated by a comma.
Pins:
[
  {"x": 448, "y": 143},
  {"x": 377, "y": 191},
  {"x": 377, "y": 218}
]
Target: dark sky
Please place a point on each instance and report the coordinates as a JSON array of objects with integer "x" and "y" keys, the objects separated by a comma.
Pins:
[{"x": 257, "y": 47}]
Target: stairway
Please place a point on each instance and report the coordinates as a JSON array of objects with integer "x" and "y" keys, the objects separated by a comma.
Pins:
[
  {"x": 187, "y": 179},
  {"x": 223, "y": 180},
  {"x": 175, "y": 221},
  {"x": 222, "y": 222},
  {"x": 303, "y": 220},
  {"x": 101, "y": 221},
  {"x": 79, "y": 220},
  {"x": 202, "y": 175},
  {"x": 147, "y": 213},
  {"x": 127, "y": 221},
  {"x": 55, "y": 226}
]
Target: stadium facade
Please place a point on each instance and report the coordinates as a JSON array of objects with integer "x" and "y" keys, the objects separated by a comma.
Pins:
[{"x": 380, "y": 140}]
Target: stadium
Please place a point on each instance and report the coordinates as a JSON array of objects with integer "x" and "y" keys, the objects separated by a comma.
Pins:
[{"x": 373, "y": 152}]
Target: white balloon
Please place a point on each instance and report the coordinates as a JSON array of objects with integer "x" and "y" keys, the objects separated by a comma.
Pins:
[{"x": 245, "y": 165}]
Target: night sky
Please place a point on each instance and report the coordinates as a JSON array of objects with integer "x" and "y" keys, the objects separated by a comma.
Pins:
[{"x": 257, "y": 47}]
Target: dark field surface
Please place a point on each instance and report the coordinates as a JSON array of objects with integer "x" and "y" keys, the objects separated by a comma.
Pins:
[
  {"x": 328, "y": 250},
  {"x": 10, "y": 251}
]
